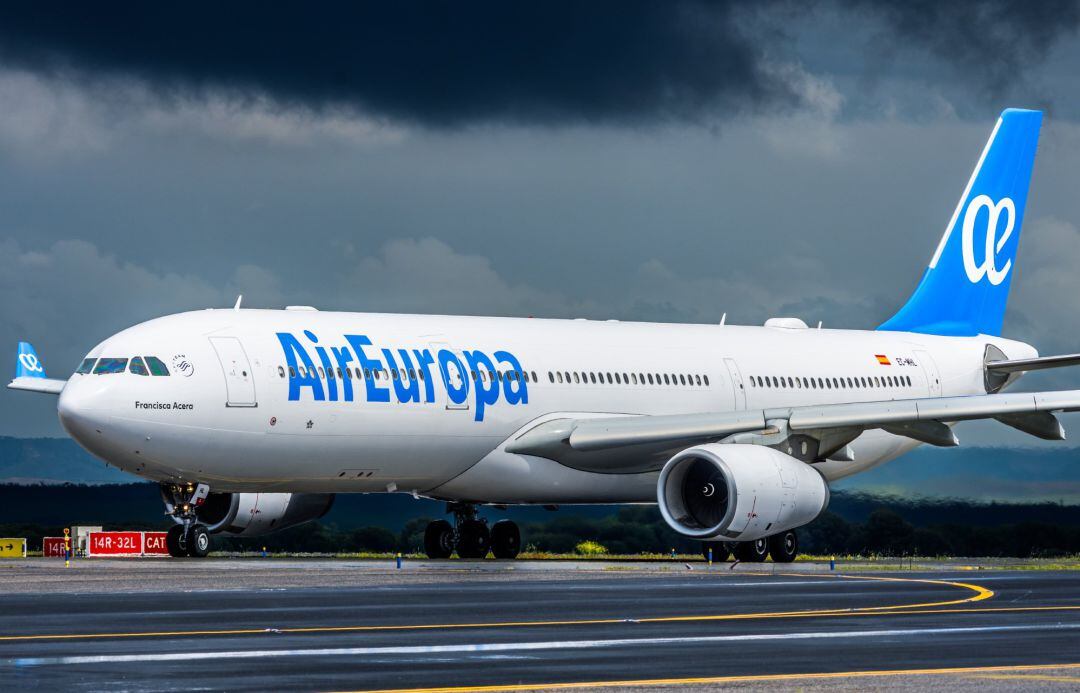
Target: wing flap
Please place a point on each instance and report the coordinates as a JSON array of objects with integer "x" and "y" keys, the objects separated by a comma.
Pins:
[{"x": 638, "y": 442}]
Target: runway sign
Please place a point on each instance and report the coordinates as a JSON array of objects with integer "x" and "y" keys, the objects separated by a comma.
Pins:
[
  {"x": 114, "y": 544},
  {"x": 52, "y": 547},
  {"x": 154, "y": 544},
  {"x": 12, "y": 548}
]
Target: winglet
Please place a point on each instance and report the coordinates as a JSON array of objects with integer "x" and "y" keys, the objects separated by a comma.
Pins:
[{"x": 28, "y": 365}]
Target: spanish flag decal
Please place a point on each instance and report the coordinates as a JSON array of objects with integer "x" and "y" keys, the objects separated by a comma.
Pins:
[{"x": 883, "y": 359}]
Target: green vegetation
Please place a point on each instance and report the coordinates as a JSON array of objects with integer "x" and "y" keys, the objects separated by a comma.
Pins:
[{"x": 855, "y": 525}]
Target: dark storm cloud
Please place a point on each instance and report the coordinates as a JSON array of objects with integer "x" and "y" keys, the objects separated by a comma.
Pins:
[
  {"x": 448, "y": 63},
  {"x": 430, "y": 62},
  {"x": 992, "y": 41}
]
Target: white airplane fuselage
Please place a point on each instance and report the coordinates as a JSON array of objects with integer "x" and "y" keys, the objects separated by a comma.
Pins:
[{"x": 231, "y": 413}]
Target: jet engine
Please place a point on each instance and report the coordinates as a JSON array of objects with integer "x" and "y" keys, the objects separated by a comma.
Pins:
[
  {"x": 253, "y": 514},
  {"x": 738, "y": 492}
]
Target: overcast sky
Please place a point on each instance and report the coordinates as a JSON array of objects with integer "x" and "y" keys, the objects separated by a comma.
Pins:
[{"x": 666, "y": 161}]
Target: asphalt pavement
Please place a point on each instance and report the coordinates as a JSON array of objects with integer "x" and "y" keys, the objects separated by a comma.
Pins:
[{"x": 230, "y": 624}]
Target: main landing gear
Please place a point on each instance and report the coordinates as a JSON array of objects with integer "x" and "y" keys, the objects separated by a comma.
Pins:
[
  {"x": 188, "y": 537},
  {"x": 783, "y": 548},
  {"x": 470, "y": 536}
]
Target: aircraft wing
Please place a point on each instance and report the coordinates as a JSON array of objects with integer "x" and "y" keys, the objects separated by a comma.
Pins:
[{"x": 629, "y": 443}]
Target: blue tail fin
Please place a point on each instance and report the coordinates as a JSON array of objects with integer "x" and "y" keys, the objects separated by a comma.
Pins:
[
  {"x": 965, "y": 288},
  {"x": 28, "y": 365}
]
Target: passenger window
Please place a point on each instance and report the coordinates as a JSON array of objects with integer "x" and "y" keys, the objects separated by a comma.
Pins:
[
  {"x": 156, "y": 367},
  {"x": 138, "y": 367},
  {"x": 682, "y": 379},
  {"x": 86, "y": 366},
  {"x": 281, "y": 371},
  {"x": 698, "y": 379},
  {"x": 292, "y": 372},
  {"x": 577, "y": 378},
  {"x": 534, "y": 376},
  {"x": 706, "y": 379},
  {"x": 108, "y": 365},
  {"x": 633, "y": 378}
]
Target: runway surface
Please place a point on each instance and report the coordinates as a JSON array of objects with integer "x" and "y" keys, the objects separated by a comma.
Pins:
[{"x": 340, "y": 625}]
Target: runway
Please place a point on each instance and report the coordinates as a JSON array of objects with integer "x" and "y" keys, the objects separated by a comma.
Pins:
[{"x": 352, "y": 625}]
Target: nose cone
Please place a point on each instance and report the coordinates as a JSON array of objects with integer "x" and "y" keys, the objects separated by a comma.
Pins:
[{"x": 77, "y": 411}]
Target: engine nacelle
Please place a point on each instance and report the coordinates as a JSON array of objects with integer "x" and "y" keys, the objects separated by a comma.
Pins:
[
  {"x": 738, "y": 492},
  {"x": 252, "y": 514}
]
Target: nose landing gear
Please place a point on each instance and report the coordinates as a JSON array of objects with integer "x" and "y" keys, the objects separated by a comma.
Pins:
[
  {"x": 470, "y": 536},
  {"x": 188, "y": 537}
]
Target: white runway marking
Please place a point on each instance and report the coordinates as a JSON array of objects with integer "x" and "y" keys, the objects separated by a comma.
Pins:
[{"x": 487, "y": 648}]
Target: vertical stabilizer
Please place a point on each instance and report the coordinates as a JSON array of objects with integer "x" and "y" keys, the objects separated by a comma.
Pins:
[{"x": 964, "y": 290}]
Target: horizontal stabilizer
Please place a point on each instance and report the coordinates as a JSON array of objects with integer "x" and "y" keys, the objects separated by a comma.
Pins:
[
  {"x": 49, "y": 386},
  {"x": 1036, "y": 364}
]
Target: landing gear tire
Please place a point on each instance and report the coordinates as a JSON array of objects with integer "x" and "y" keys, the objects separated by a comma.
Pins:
[
  {"x": 176, "y": 541},
  {"x": 720, "y": 551},
  {"x": 198, "y": 541},
  {"x": 473, "y": 539},
  {"x": 505, "y": 539},
  {"x": 784, "y": 547},
  {"x": 752, "y": 551},
  {"x": 439, "y": 539}
]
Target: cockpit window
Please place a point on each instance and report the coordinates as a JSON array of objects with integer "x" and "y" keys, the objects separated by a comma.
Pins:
[
  {"x": 138, "y": 367},
  {"x": 156, "y": 366},
  {"x": 107, "y": 365},
  {"x": 86, "y": 366}
]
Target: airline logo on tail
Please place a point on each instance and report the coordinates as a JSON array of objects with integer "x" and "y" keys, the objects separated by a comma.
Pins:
[
  {"x": 965, "y": 288},
  {"x": 29, "y": 365},
  {"x": 993, "y": 244}
]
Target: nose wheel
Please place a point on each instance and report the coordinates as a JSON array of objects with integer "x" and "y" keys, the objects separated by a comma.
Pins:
[{"x": 187, "y": 537}]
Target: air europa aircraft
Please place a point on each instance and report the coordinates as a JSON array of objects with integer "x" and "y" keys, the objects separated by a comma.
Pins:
[{"x": 251, "y": 420}]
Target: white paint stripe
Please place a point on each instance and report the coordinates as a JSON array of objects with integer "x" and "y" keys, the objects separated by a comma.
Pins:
[
  {"x": 518, "y": 646},
  {"x": 963, "y": 198}
]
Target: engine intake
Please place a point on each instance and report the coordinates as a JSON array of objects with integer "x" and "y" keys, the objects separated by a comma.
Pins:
[
  {"x": 738, "y": 492},
  {"x": 253, "y": 514}
]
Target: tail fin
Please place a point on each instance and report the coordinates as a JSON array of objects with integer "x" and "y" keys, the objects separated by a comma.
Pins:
[
  {"x": 28, "y": 365},
  {"x": 964, "y": 290}
]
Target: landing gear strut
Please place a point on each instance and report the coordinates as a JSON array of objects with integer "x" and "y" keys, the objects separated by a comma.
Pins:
[
  {"x": 470, "y": 536},
  {"x": 187, "y": 537}
]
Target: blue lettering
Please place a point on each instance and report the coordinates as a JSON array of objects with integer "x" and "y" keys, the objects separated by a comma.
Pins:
[
  {"x": 458, "y": 391},
  {"x": 331, "y": 382},
  {"x": 424, "y": 360},
  {"x": 374, "y": 393},
  {"x": 513, "y": 395},
  {"x": 343, "y": 357},
  {"x": 303, "y": 374},
  {"x": 487, "y": 390},
  {"x": 405, "y": 388}
]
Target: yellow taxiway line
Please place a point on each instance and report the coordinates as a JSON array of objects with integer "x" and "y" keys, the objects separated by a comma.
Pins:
[
  {"x": 980, "y": 594},
  {"x": 761, "y": 678}
]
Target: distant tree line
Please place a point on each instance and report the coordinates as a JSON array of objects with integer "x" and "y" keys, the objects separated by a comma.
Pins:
[
  {"x": 640, "y": 530},
  {"x": 856, "y": 524}
]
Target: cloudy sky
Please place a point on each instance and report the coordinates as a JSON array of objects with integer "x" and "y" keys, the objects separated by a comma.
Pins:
[{"x": 667, "y": 161}]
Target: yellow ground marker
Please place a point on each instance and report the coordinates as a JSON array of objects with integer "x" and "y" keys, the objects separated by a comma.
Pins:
[
  {"x": 981, "y": 593},
  {"x": 763, "y": 678}
]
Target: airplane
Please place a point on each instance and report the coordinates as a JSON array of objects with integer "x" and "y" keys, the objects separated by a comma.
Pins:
[{"x": 252, "y": 420}]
